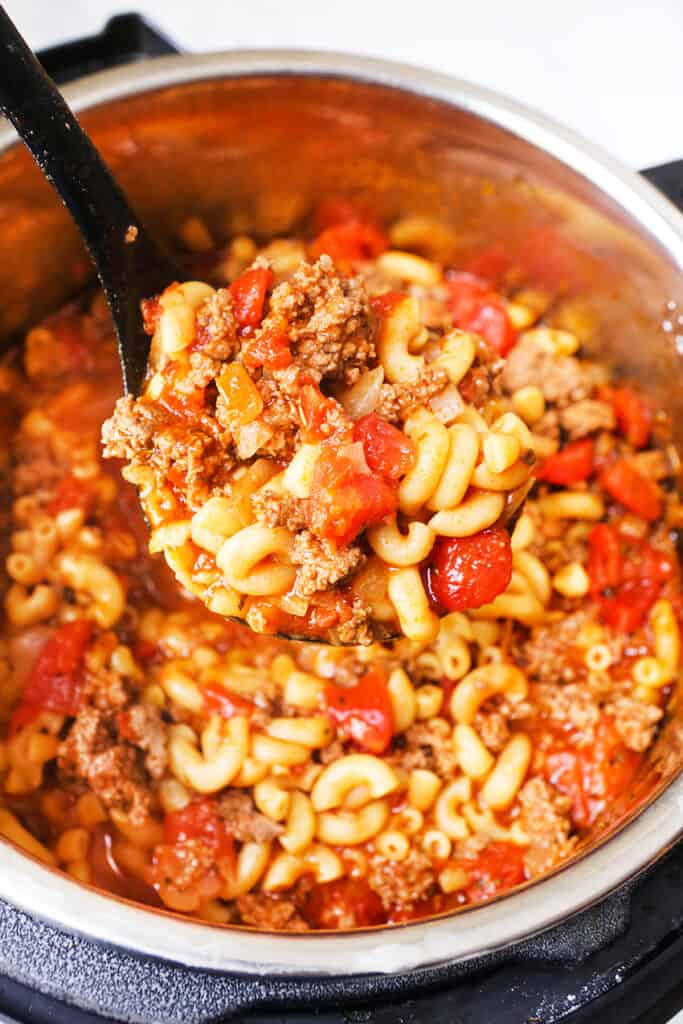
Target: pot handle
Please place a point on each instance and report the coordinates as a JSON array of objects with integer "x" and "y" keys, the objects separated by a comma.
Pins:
[
  {"x": 124, "y": 38},
  {"x": 668, "y": 178}
]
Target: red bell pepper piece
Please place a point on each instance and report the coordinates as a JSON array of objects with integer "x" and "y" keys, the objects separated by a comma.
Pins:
[
  {"x": 570, "y": 465},
  {"x": 636, "y": 492},
  {"x": 476, "y": 308},
  {"x": 634, "y": 416}
]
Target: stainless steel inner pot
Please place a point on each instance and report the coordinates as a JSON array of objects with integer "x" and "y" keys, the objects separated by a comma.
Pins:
[{"x": 250, "y": 141}]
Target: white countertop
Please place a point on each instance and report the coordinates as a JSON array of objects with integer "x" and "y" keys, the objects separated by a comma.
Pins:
[{"x": 612, "y": 69}]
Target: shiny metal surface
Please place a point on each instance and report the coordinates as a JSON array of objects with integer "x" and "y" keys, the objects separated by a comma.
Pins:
[{"x": 250, "y": 141}]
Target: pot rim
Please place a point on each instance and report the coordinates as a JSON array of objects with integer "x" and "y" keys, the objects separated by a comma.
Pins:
[{"x": 48, "y": 894}]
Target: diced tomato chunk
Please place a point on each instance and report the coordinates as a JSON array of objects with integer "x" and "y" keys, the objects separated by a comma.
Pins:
[
  {"x": 71, "y": 493},
  {"x": 344, "y": 501},
  {"x": 652, "y": 564},
  {"x": 125, "y": 727},
  {"x": 498, "y": 867},
  {"x": 468, "y": 572},
  {"x": 22, "y": 715},
  {"x": 625, "y": 583},
  {"x": 344, "y": 903},
  {"x": 387, "y": 450},
  {"x": 570, "y": 465},
  {"x": 56, "y": 680},
  {"x": 249, "y": 295},
  {"x": 151, "y": 311},
  {"x": 67, "y": 328},
  {"x": 634, "y": 415},
  {"x": 327, "y": 610},
  {"x": 363, "y": 710},
  {"x": 198, "y": 820},
  {"x": 199, "y": 824},
  {"x": 351, "y": 242},
  {"x": 643, "y": 574},
  {"x": 627, "y": 610},
  {"x": 187, "y": 403},
  {"x": 605, "y": 569},
  {"x": 333, "y": 211},
  {"x": 382, "y": 305},
  {"x": 270, "y": 348},
  {"x": 491, "y": 263},
  {"x": 592, "y": 775},
  {"x": 322, "y": 416},
  {"x": 476, "y": 308},
  {"x": 218, "y": 700},
  {"x": 636, "y": 492}
]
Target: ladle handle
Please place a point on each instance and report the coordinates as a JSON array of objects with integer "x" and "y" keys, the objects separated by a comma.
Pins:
[{"x": 129, "y": 263}]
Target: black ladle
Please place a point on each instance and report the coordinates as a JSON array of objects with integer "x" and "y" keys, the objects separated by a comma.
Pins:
[{"x": 130, "y": 264}]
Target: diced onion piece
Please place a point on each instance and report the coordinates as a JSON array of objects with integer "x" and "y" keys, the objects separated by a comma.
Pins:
[
  {"x": 251, "y": 438},
  {"x": 447, "y": 405},
  {"x": 294, "y": 605},
  {"x": 362, "y": 397},
  {"x": 356, "y": 456}
]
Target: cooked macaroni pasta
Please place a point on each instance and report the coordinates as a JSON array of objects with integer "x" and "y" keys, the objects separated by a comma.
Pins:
[
  {"x": 151, "y": 747},
  {"x": 326, "y": 419}
]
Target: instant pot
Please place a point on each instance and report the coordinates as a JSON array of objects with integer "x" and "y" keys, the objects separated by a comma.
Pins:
[{"x": 245, "y": 140}]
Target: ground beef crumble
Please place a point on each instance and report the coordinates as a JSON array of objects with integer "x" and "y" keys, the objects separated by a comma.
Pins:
[
  {"x": 321, "y": 564},
  {"x": 280, "y": 415},
  {"x": 545, "y": 820},
  {"x": 356, "y": 629},
  {"x": 327, "y": 320},
  {"x": 635, "y": 721},
  {"x": 145, "y": 434},
  {"x": 245, "y": 822},
  {"x": 428, "y": 745},
  {"x": 562, "y": 379},
  {"x": 493, "y": 729},
  {"x": 149, "y": 733},
  {"x": 275, "y": 509},
  {"x": 585, "y": 417},
  {"x": 570, "y": 704},
  {"x": 36, "y": 471},
  {"x": 196, "y": 457},
  {"x": 549, "y": 653},
  {"x": 482, "y": 380},
  {"x": 396, "y": 401},
  {"x": 202, "y": 369},
  {"x": 403, "y": 883},
  {"x": 93, "y": 753},
  {"x": 131, "y": 428},
  {"x": 270, "y": 911},
  {"x": 216, "y": 328}
]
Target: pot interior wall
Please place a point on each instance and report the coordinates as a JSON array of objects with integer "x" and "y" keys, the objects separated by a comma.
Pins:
[{"x": 255, "y": 154}]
